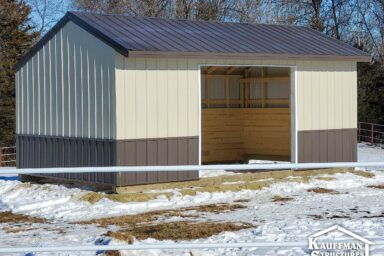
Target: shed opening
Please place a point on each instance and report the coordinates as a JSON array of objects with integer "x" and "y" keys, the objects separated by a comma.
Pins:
[{"x": 245, "y": 114}]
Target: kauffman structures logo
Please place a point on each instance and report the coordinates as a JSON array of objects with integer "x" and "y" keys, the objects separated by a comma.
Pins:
[{"x": 357, "y": 246}]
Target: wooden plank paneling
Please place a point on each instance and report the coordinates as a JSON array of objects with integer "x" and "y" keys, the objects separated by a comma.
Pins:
[{"x": 238, "y": 134}]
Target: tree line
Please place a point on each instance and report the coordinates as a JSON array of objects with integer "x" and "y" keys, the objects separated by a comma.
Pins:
[{"x": 357, "y": 22}]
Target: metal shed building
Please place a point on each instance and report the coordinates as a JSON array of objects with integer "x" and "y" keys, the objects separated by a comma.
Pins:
[{"x": 107, "y": 90}]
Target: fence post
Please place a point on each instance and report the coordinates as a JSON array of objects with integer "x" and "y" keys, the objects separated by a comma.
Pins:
[
  {"x": 1, "y": 156},
  {"x": 372, "y": 134},
  {"x": 359, "y": 132}
]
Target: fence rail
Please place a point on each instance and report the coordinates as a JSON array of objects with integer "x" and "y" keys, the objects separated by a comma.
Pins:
[
  {"x": 176, "y": 168},
  {"x": 371, "y": 133},
  {"x": 7, "y": 156},
  {"x": 165, "y": 246}
]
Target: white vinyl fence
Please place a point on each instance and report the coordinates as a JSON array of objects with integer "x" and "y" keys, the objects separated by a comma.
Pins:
[
  {"x": 167, "y": 168},
  {"x": 233, "y": 167}
]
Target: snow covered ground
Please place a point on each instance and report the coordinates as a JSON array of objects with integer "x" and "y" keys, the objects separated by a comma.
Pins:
[
  {"x": 357, "y": 207},
  {"x": 367, "y": 153}
]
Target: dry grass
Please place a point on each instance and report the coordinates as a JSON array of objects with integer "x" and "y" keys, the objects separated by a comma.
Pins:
[
  {"x": 325, "y": 178},
  {"x": 26, "y": 229},
  {"x": 241, "y": 201},
  {"x": 255, "y": 185},
  {"x": 112, "y": 253},
  {"x": 217, "y": 182},
  {"x": 363, "y": 173},
  {"x": 281, "y": 199},
  {"x": 214, "y": 184},
  {"x": 16, "y": 230},
  {"x": 250, "y": 181},
  {"x": 378, "y": 186},
  {"x": 21, "y": 223},
  {"x": 180, "y": 230},
  {"x": 323, "y": 191},
  {"x": 145, "y": 225},
  {"x": 216, "y": 208},
  {"x": 94, "y": 197},
  {"x": 315, "y": 216},
  {"x": 148, "y": 217},
  {"x": 339, "y": 217},
  {"x": 9, "y": 217}
]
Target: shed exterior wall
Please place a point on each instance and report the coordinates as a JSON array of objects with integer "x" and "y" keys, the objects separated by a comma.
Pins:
[
  {"x": 68, "y": 88},
  {"x": 76, "y": 86},
  {"x": 65, "y": 106},
  {"x": 158, "y": 97},
  {"x": 326, "y": 95}
]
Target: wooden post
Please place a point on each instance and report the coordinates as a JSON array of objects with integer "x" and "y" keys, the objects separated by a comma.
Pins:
[
  {"x": 264, "y": 86},
  {"x": 1, "y": 156},
  {"x": 247, "y": 88},
  {"x": 206, "y": 91},
  {"x": 242, "y": 93},
  {"x": 226, "y": 84}
]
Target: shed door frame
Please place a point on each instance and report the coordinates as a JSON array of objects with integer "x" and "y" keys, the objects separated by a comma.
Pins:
[{"x": 293, "y": 96}]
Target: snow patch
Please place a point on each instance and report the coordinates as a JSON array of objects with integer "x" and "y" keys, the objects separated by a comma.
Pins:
[{"x": 355, "y": 208}]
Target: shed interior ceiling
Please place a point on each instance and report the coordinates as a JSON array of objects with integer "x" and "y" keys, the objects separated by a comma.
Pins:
[{"x": 245, "y": 113}]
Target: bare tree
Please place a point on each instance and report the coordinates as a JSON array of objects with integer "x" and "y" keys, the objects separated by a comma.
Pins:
[
  {"x": 151, "y": 8},
  {"x": 246, "y": 11},
  {"x": 315, "y": 11},
  {"x": 354, "y": 21},
  {"x": 211, "y": 9},
  {"x": 370, "y": 26},
  {"x": 46, "y": 13},
  {"x": 184, "y": 9}
]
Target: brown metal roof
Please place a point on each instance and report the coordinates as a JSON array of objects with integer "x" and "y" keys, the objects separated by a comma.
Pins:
[{"x": 144, "y": 35}]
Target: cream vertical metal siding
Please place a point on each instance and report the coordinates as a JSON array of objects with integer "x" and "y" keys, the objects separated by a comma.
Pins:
[
  {"x": 326, "y": 95},
  {"x": 68, "y": 88},
  {"x": 158, "y": 98}
]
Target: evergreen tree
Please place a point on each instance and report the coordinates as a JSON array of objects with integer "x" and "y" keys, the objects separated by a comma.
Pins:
[
  {"x": 16, "y": 37},
  {"x": 371, "y": 92}
]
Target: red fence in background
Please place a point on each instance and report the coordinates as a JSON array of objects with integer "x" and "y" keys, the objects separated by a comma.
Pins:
[
  {"x": 370, "y": 132},
  {"x": 7, "y": 156}
]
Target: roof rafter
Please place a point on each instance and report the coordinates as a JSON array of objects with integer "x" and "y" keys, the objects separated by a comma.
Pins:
[
  {"x": 211, "y": 69},
  {"x": 230, "y": 70}
]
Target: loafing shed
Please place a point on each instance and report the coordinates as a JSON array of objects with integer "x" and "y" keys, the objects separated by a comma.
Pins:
[{"x": 114, "y": 90}]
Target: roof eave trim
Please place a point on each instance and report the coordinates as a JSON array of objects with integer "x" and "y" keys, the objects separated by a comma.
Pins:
[
  {"x": 249, "y": 56},
  {"x": 63, "y": 21}
]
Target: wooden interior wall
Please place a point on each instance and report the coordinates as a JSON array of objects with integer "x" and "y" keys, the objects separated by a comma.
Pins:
[
  {"x": 267, "y": 133},
  {"x": 230, "y": 134},
  {"x": 222, "y": 134}
]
